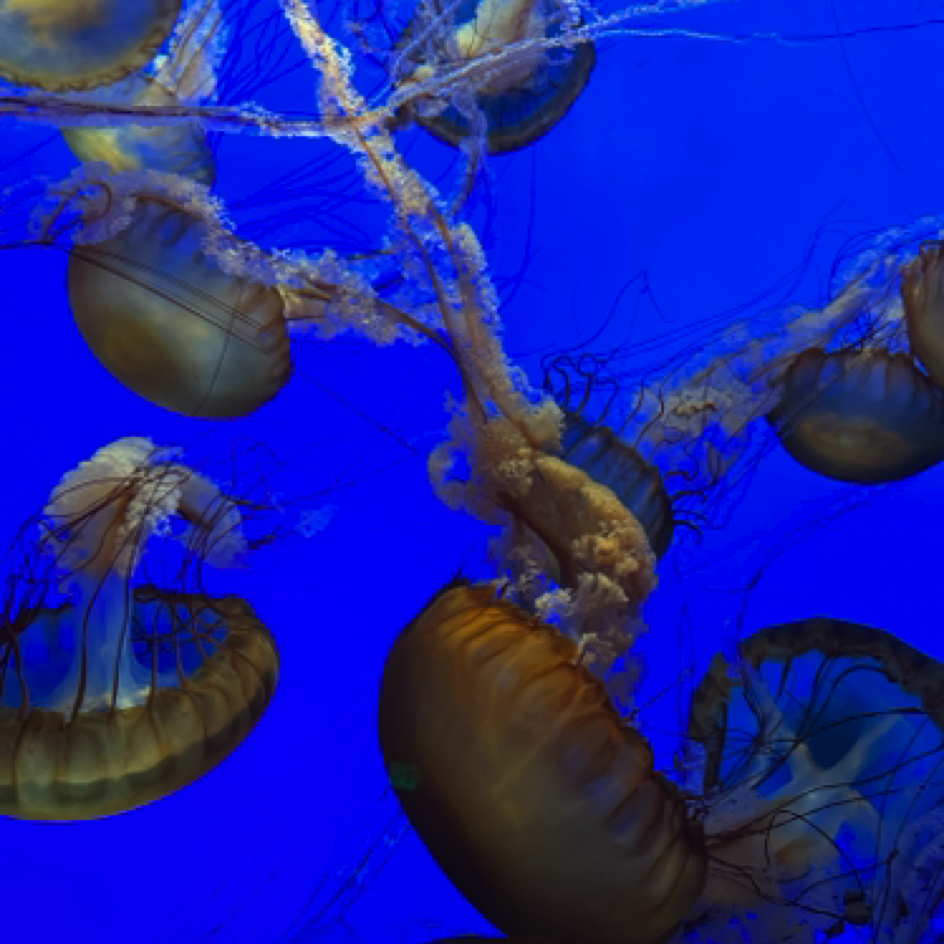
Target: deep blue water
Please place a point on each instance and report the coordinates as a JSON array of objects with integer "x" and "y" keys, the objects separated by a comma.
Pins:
[{"x": 699, "y": 176}]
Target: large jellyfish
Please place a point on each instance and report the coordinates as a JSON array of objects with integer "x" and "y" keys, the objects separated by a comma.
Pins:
[
  {"x": 532, "y": 794},
  {"x": 125, "y": 692}
]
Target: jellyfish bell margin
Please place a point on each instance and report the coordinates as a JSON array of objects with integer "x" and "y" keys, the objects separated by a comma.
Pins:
[
  {"x": 533, "y": 796},
  {"x": 125, "y": 693}
]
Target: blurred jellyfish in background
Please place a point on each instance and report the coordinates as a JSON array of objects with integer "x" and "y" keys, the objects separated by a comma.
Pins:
[{"x": 125, "y": 691}]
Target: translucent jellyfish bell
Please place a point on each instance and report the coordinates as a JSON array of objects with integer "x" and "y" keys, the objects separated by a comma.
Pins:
[
  {"x": 864, "y": 417},
  {"x": 533, "y": 796},
  {"x": 187, "y": 74},
  {"x": 611, "y": 461},
  {"x": 519, "y": 99},
  {"x": 166, "y": 320},
  {"x": 60, "y": 45},
  {"x": 823, "y": 780},
  {"x": 126, "y": 692}
]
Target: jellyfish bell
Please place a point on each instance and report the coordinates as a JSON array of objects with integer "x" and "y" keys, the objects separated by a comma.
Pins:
[
  {"x": 823, "y": 780},
  {"x": 126, "y": 692},
  {"x": 865, "y": 417},
  {"x": 187, "y": 74},
  {"x": 60, "y": 46},
  {"x": 516, "y": 98},
  {"x": 534, "y": 797},
  {"x": 167, "y": 321}
]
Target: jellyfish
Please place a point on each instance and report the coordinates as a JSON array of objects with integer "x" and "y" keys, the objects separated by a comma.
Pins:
[
  {"x": 185, "y": 75},
  {"x": 58, "y": 46},
  {"x": 865, "y": 417},
  {"x": 124, "y": 692},
  {"x": 535, "y": 798},
  {"x": 835, "y": 386},
  {"x": 823, "y": 780},
  {"x": 512, "y": 104}
]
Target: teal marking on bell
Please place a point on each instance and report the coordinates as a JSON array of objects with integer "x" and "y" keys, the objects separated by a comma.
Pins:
[{"x": 404, "y": 776}]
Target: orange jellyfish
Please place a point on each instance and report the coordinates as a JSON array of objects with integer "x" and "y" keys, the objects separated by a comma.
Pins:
[
  {"x": 823, "y": 780},
  {"x": 125, "y": 692},
  {"x": 58, "y": 46},
  {"x": 536, "y": 799},
  {"x": 515, "y": 100}
]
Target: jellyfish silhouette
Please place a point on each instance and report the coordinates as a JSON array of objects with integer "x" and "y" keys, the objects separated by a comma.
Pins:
[
  {"x": 125, "y": 692},
  {"x": 510, "y": 104},
  {"x": 80, "y": 45},
  {"x": 823, "y": 775},
  {"x": 534, "y": 797}
]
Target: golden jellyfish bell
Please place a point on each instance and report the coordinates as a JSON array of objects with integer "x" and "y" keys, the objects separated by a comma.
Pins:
[
  {"x": 169, "y": 323},
  {"x": 534, "y": 797},
  {"x": 864, "y": 417},
  {"x": 63, "y": 45},
  {"x": 127, "y": 692}
]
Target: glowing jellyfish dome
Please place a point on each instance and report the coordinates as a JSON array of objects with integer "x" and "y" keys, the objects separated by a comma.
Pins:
[{"x": 680, "y": 207}]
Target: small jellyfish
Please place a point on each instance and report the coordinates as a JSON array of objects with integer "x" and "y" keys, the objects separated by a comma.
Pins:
[
  {"x": 126, "y": 691},
  {"x": 823, "y": 775},
  {"x": 59, "y": 45},
  {"x": 185, "y": 75},
  {"x": 534, "y": 797},
  {"x": 864, "y": 417},
  {"x": 484, "y": 68}
]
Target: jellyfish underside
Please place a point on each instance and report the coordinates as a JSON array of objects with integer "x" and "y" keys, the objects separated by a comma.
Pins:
[
  {"x": 524, "y": 102},
  {"x": 533, "y": 797},
  {"x": 107, "y": 761},
  {"x": 860, "y": 417},
  {"x": 63, "y": 46},
  {"x": 637, "y": 483},
  {"x": 823, "y": 754},
  {"x": 168, "y": 323}
]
